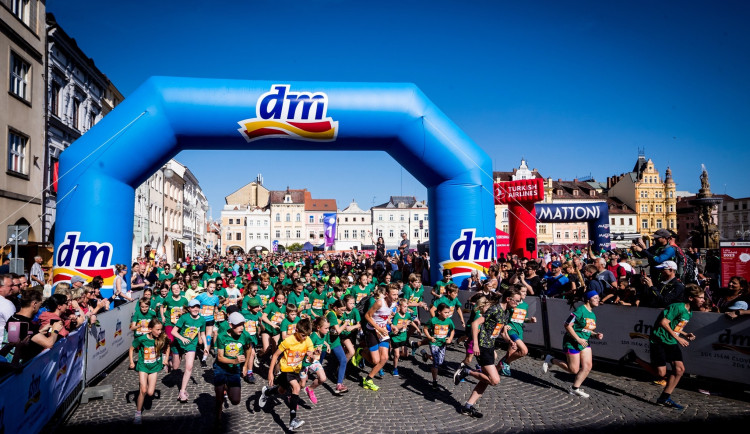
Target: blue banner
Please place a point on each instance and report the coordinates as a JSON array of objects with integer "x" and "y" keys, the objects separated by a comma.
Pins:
[{"x": 329, "y": 225}]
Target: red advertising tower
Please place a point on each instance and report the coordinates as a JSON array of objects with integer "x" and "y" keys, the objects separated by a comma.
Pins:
[{"x": 520, "y": 196}]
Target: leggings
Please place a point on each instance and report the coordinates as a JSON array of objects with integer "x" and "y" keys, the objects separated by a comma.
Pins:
[{"x": 341, "y": 356}]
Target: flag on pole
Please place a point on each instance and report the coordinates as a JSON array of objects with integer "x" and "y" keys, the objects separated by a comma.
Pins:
[{"x": 329, "y": 225}]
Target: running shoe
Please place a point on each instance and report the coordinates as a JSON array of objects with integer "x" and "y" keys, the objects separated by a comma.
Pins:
[
  {"x": 547, "y": 362},
  {"x": 204, "y": 365},
  {"x": 629, "y": 357},
  {"x": 661, "y": 383},
  {"x": 425, "y": 357},
  {"x": 669, "y": 403},
  {"x": 460, "y": 374},
  {"x": 367, "y": 383},
  {"x": 262, "y": 399},
  {"x": 311, "y": 394},
  {"x": 414, "y": 346},
  {"x": 250, "y": 378},
  {"x": 381, "y": 374},
  {"x": 138, "y": 419},
  {"x": 395, "y": 372},
  {"x": 477, "y": 367},
  {"x": 296, "y": 423},
  {"x": 578, "y": 392},
  {"x": 183, "y": 397},
  {"x": 435, "y": 384},
  {"x": 340, "y": 388},
  {"x": 357, "y": 358},
  {"x": 471, "y": 411},
  {"x": 505, "y": 369}
]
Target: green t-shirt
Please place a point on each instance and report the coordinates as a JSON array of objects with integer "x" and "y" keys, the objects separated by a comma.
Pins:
[
  {"x": 233, "y": 347},
  {"x": 359, "y": 293},
  {"x": 584, "y": 322},
  {"x": 517, "y": 318},
  {"x": 400, "y": 321},
  {"x": 265, "y": 295},
  {"x": 246, "y": 299},
  {"x": 454, "y": 305},
  {"x": 220, "y": 292},
  {"x": 149, "y": 361},
  {"x": 440, "y": 286},
  {"x": 413, "y": 296},
  {"x": 252, "y": 324},
  {"x": 297, "y": 300},
  {"x": 289, "y": 326},
  {"x": 678, "y": 317},
  {"x": 191, "y": 329},
  {"x": 351, "y": 319},
  {"x": 163, "y": 277},
  {"x": 173, "y": 309},
  {"x": 317, "y": 303},
  {"x": 440, "y": 330},
  {"x": 156, "y": 302},
  {"x": 276, "y": 314},
  {"x": 141, "y": 320},
  {"x": 333, "y": 338}
]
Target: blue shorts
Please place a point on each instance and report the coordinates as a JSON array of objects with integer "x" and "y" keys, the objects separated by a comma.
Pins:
[
  {"x": 383, "y": 344},
  {"x": 224, "y": 375}
]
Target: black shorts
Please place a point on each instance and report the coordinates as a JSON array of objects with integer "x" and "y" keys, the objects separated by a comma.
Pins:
[
  {"x": 662, "y": 353},
  {"x": 351, "y": 337},
  {"x": 285, "y": 379},
  {"x": 371, "y": 338},
  {"x": 405, "y": 343},
  {"x": 210, "y": 323},
  {"x": 486, "y": 356}
]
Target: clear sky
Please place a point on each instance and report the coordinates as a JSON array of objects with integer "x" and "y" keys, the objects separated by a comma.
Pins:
[{"x": 574, "y": 87}]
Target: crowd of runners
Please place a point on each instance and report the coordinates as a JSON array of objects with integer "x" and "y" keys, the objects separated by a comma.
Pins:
[{"x": 287, "y": 315}]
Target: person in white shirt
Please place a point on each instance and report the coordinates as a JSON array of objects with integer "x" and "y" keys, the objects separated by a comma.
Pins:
[
  {"x": 37, "y": 274},
  {"x": 7, "y": 309}
]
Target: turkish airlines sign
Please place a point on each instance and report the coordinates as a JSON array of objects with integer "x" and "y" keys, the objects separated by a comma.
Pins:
[{"x": 523, "y": 190}]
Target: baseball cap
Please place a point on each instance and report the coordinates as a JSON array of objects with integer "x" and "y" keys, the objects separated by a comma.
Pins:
[
  {"x": 672, "y": 265},
  {"x": 662, "y": 233},
  {"x": 253, "y": 302},
  {"x": 738, "y": 305},
  {"x": 77, "y": 279},
  {"x": 236, "y": 318},
  {"x": 555, "y": 264},
  {"x": 194, "y": 302}
]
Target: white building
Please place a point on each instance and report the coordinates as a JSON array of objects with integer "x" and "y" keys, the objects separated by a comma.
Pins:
[
  {"x": 353, "y": 227},
  {"x": 397, "y": 215},
  {"x": 287, "y": 217}
]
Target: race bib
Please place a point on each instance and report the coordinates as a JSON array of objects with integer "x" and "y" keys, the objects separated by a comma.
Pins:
[
  {"x": 291, "y": 328},
  {"x": 251, "y": 327},
  {"x": 264, "y": 299},
  {"x": 232, "y": 350},
  {"x": 317, "y": 304},
  {"x": 498, "y": 329},
  {"x": 590, "y": 325},
  {"x": 680, "y": 325},
  {"x": 277, "y": 317},
  {"x": 413, "y": 299},
  {"x": 402, "y": 322},
  {"x": 360, "y": 296},
  {"x": 219, "y": 315},
  {"x": 519, "y": 315},
  {"x": 174, "y": 314},
  {"x": 451, "y": 310},
  {"x": 441, "y": 331},
  {"x": 191, "y": 332},
  {"x": 294, "y": 358},
  {"x": 231, "y": 301},
  {"x": 143, "y": 326},
  {"x": 207, "y": 310},
  {"x": 149, "y": 355}
]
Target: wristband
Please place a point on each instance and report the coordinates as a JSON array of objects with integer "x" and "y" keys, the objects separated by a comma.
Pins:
[{"x": 57, "y": 332}]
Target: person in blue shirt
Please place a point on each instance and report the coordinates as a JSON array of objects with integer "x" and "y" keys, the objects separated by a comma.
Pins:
[
  {"x": 557, "y": 282},
  {"x": 658, "y": 253}
]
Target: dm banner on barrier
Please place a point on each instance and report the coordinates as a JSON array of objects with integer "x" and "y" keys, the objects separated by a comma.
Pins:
[
  {"x": 29, "y": 399},
  {"x": 109, "y": 340}
]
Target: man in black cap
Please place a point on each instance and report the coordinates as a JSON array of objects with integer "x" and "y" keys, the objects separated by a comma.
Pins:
[{"x": 660, "y": 252}]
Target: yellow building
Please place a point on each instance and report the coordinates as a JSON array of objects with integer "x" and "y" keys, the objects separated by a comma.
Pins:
[{"x": 652, "y": 197}]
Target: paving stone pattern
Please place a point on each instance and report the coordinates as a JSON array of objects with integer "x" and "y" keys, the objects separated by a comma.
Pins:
[{"x": 529, "y": 401}]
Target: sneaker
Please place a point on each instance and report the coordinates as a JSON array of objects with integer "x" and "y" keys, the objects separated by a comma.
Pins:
[
  {"x": 138, "y": 419},
  {"x": 367, "y": 383},
  {"x": 460, "y": 374},
  {"x": 471, "y": 411},
  {"x": 547, "y": 362},
  {"x": 357, "y": 358},
  {"x": 435, "y": 384},
  {"x": 340, "y": 388},
  {"x": 424, "y": 355},
  {"x": 414, "y": 346},
  {"x": 296, "y": 423},
  {"x": 669, "y": 403},
  {"x": 661, "y": 383},
  {"x": 381, "y": 374},
  {"x": 250, "y": 378},
  {"x": 311, "y": 394},
  {"x": 505, "y": 369},
  {"x": 629, "y": 357},
  {"x": 262, "y": 399},
  {"x": 578, "y": 392},
  {"x": 204, "y": 365},
  {"x": 477, "y": 367},
  {"x": 395, "y": 372},
  {"x": 183, "y": 397}
]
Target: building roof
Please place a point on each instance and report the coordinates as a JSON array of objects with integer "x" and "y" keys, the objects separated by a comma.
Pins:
[
  {"x": 297, "y": 196},
  {"x": 352, "y": 209},
  {"x": 616, "y": 206},
  {"x": 508, "y": 176},
  {"x": 319, "y": 204},
  {"x": 399, "y": 202},
  {"x": 575, "y": 189}
]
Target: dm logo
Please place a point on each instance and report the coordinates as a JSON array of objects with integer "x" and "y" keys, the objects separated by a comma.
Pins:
[
  {"x": 118, "y": 328},
  {"x": 78, "y": 258},
  {"x": 280, "y": 113},
  {"x": 35, "y": 392},
  {"x": 470, "y": 252},
  {"x": 101, "y": 340}
]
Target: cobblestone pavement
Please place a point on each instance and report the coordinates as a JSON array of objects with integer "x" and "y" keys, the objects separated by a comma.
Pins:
[{"x": 529, "y": 401}]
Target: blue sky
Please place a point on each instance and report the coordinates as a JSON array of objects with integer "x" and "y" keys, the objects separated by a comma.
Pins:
[{"x": 574, "y": 87}]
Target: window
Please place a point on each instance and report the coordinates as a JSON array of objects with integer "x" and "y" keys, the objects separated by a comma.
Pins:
[
  {"x": 278, "y": 234},
  {"x": 671, "y": 224},
  {"x": 557, "y": 235},
  {"x": 231, "y": 221},
  {"x": 416, "y": 233},
  {"x": 321, "y": 235},
  {"x": 362, "y": 233},
  {"x": 346, "y": 234},
  {"x": 575, "y": 235},
  {"x": 250, "y": 222},
  {"x": 658, "y": 224},
  {"x": 278, "y": 217},
  {"x": 379, "y": 232},
  {"x": 55, "y": 98},
  {"x": 390, "y": 233},
  {"x": 19, "y": 76},
  {"x": 299, "y": 234},
  {"x": 76, "y": 109},
  {"x": 239, "y": 236},
  {"x": 426, "y": 217},
  {"x": 613, "y": 220},
  {"x": 380, "y": 217},
  {"x": 288, "y": 234},
  {"x": 92, "y": 119},
  {"x": 354, "y": 234},
  {"x": 298, "y": 218},
  {"x": 542, "y": 229},
  {"x": 426, "y": 233},
  {"x": 630, "y": 221},
  {"x": 505, "y": 228},
  {"x": 17, "y": 153},
  {"x": 288, "y": 217},
  {"x": 416, "y": 217},
  {"x": 505, "y": 214},
  {"x": 583, "y": 234},
  {"x": 390, "y": 217},
  {"x": 249, "y": 236},
  {"x": 312, "y": 219},
  {"x": 644, "y": 208},
  {"x": 312, "y": 235},
  {"x": 20, "y": 8},
  {"x": 622, "y": 222},
  {"x": 658, "y": 208},
  {"x": 265, "y": 236},
  {"x": 346, "y": 219},
  {"x": 229, "y": 236},
  {"x": 257, "y": 235},
  {"x": 402, "y": 217},
  {"x": 567, "y": 235},
  {"x": 644, "y": 223}
]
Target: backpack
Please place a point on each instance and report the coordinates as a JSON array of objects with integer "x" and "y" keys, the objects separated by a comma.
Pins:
[
  {"x": 362, "y": 306},
  {"x": 686, "y": 269}
]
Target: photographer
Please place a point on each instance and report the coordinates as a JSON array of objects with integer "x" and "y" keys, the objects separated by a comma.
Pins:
[
  {"x": 29, "y": 339},
  {"x": 658, "y": 253},
  {"x": 668, "y": 291}
]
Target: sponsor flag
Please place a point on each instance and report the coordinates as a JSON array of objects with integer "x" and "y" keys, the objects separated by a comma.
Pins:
[{"x": 329, "y": 225}]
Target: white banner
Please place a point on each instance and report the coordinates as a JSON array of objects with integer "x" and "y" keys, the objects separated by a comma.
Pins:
[{"x": 110, "y": 339}]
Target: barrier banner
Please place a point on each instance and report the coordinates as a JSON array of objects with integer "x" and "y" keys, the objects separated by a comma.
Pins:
[
  {"x": 29, "y": 399},
  {"x": 721, "y": 349},
  {"x": 109, "y": 340}
]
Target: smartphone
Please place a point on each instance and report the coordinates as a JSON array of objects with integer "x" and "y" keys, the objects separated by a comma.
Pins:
[
  {"x": 17, "y": 331},
  {"x": 643, "y": 272}
]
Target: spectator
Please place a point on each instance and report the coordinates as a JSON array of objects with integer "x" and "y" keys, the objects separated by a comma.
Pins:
[
  {"x": 735, "y": 291},
  {"x": 37, "y": 274},
  {"x": 35, "y": 341},
  {"x": 669, "y": 290},
  {"x": 557, "y": 283},
  {"x": 121, "y": 294},
  {"x": 658, "y": 253},
  {"x": 738, "y": 309},
  {"x": 605, "y": 276},
  {"x": 76, "y": 282},
  {"x": 590, "y": 280},
  {"x": 530, "y": 280},
  {"x": 56, "y": 311},
  {"x": 138, "y": 280},
  {"x": 7, "y": 309}
]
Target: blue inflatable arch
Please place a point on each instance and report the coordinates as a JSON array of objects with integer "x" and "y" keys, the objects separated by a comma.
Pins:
[{"x": 100, "y": 171}]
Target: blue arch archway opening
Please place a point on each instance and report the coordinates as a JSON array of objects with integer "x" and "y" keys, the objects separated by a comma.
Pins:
[{"x": 100, "y": 171}]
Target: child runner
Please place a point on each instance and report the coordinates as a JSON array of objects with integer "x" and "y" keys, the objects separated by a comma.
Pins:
[
  {"x": 291, "y": 351},
  {"x": 335, "y": 318},
  {"x": 450, "y": 299},
  {"x": 312, "y": 365},
  {"x": 150, "y": 361},
  {"x": 439, "y": 332},
  {"x": 171, "y": 309},
  {"x": 142, "y": 318},
  {"x": 580, "y": 328},
  {"x": 188, "y": 332},
  {"x": 265, "y": 292},
  {"x": 485, "y": 330},
  {"x": 439, "y": 288},
  {"x": 272, "y": 317},
  {"x": 413, "y": 294},
  {"x": 480, "y": 303},
  {"x": 318, "y": 300},
  {"x": 399, "y": 332},
  {"x": 251, "y": 292},
  {"x": 252, "y": 327},
  {"x": 232, "y": 347},
  {"x": 209, "y": 303},
  {"x": 517, "y": 320},
  {"x": 290, "y": 322},
  {"x": 378, "y": 318},
  {"x": 667, "y": 336},
  {"x": 352, "y": 320}
]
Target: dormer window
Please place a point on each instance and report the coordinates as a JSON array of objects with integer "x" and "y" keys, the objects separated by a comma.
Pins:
[
  {"x": 288, "y": 198},
  {"x": 575, "y": 192}
]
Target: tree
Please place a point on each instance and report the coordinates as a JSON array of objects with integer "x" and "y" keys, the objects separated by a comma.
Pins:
[{"x": 294, "y": 247}]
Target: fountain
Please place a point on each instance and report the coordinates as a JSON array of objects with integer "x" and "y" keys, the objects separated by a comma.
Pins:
[{"x": 707, "y": 234}]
